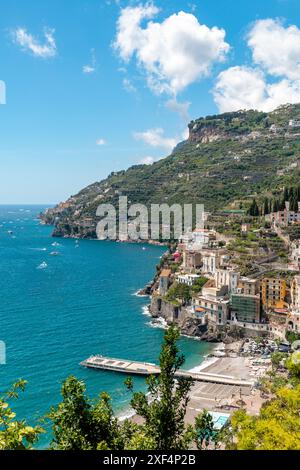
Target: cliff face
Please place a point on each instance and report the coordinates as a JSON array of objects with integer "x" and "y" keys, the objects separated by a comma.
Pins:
[{"x": 226, "y": 157}]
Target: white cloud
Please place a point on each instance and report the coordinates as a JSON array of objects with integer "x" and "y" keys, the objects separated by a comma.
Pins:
[
  {"x": 156, "y": 138},
  {"x": 276, "y": 53},
  {"x": 101, "y": 142},
  {"x": 181, "y": 108},
  {"x": 31, "y": 44},
  {"x": 90, "y": 68},
  {"x": 147, "y": 161},
  {"x": 174, "y": 53},
  {"x": 246, "y": 88},
  {"x": 128, "y": 86},
  {"x": 276, "y": 48}
]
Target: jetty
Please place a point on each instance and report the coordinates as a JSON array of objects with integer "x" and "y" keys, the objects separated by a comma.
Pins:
[{"x": 145, "y": 369}]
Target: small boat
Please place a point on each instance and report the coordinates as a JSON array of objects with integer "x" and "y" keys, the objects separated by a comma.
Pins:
[
  {"x": 54, "y": 253},
  {"x": 55, "y": 244},
  {"x": 43, "y": 265}
]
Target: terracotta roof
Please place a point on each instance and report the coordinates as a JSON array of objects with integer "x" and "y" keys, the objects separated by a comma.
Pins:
[{"x": 166, "y": 273}]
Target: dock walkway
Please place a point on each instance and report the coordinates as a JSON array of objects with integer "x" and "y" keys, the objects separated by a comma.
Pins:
[{"x": 145, "y": 369}]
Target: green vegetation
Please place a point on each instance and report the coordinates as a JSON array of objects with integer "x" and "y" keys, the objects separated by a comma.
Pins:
[
  {"x": 180, "y": 292},
  {"x": 164, "y": 414},
  {"x": 198, "y": 284},
  {"x": 15, "y": 434},
  {"x": 230, "y": 157},
  {"x": 276, "y": 201},
  {"x": 277, "y": 427},
  {"x": 80, "y": 423}
]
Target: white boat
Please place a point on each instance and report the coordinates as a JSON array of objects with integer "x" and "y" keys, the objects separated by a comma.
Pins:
[
  {"x": 43, "y": 265},
  {"x": 54, "y": 253}
]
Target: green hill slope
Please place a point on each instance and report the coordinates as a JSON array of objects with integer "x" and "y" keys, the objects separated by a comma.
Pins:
[{"x": 226, "y": 158}]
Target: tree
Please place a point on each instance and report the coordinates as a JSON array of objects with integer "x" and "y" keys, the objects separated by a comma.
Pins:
[
  {"x": 79, "y": 424},
  {"x": 199, "y": 283},
  {"x": 266, "y": 209},
  {"x": 293, "y": 364},
  {"x": 276, "y": 427},
  {"x": 164, "y": 413},
  {"x": 294, "y": 204},
  {"x": 277, "y": 359},
  {"x": 275, "y": 205},
  {"x": 286, "y": 194},
  {"x": 254, "y": 210},
  {"x": 179, "y": 291},
  {"x": 204, "y": 430},
  {"x": 14, "y": 434},
  {"x": 282, "y": 204}
]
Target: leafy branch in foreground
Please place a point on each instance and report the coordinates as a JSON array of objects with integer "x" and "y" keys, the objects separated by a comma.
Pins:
[
  {"x": 277, "y": 427},
  {"x": 14, "y": 434},
  {"x": 165, "y": 411},
  {"x": 79, "y": 424}
]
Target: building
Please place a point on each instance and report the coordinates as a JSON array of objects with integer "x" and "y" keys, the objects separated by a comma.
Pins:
[
  {"x": 188, "y": 279},
  {"x": 198, "y": 239},
  {"x": 248, "y": 286},
  {"x": 293, "y": 322},
  {"x": 211, "y": 290},
  {"x": 213, "y": 308},
  {"x": 273, "y": 292},
  {"x": 294, "y": 261},
  {"x": 212, "y": 304},
  {"x": 211, "y": 260},
  {"x": 191, "y": 259},
  {"x": 245, "y": 228},
  {"x": 164, "y": 281},
  {"x": 283, "y": 218},
  {"x": 226, "y": 277},
  {"x": 245, "y": 308},
  {"x": 294, "y": 123},
  {"x": 295, "y": 293}
]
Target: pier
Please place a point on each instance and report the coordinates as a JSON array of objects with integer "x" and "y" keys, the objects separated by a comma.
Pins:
[{"x": 145, "y": 369}]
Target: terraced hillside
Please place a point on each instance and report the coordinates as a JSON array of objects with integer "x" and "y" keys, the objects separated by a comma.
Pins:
[{"x": 227, "y": 158}]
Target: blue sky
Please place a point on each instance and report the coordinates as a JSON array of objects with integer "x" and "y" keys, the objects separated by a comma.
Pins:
[{"x": 95, "y": 86}]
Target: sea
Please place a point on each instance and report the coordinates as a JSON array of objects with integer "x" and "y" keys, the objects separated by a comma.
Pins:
[{"x": 58, "y": 309}]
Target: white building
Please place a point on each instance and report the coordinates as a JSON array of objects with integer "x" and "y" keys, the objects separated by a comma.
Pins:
[
  {"x": 211, "y": 260},
  {"x": 188, "y": 279},
  {"x": 294, "y": 263},
  {"x": 198, "y": 239},
  {"x": 224, "y": 277},
  {"x": 294, "y": 123}
]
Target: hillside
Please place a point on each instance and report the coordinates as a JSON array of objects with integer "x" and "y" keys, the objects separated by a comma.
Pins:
[{"x": 227, "y": 158}]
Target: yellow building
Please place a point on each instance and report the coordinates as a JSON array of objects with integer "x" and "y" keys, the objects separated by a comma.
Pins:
[{"x": 273, "y": 292}]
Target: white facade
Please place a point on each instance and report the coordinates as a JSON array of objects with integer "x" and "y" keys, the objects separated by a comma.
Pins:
[
  {"x": 211, "y": 261},
  {"x": 188, "y": 279},
  {"x": 294, "y": 123},
  {"x": 224, "y": 277},
  {"x": 295, "y": 256}
]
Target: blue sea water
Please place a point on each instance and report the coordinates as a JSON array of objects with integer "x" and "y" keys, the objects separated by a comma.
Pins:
[{"x": 82, "y": 303}]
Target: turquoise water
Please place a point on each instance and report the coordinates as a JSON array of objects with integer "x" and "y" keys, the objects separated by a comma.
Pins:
[{"x": 82, "y": 303}]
